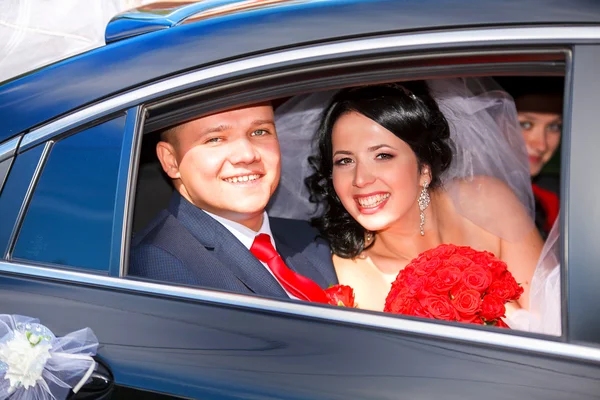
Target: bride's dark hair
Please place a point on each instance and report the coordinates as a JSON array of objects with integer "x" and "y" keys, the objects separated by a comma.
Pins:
[{"x": 410, "y": 113}]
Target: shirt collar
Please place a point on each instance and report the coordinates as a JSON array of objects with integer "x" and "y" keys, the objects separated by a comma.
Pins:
[{"x": 243, "y": 233}]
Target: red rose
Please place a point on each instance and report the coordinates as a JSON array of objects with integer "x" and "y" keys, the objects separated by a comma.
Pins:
[
  {"x": 497, "y": 268},
  {"x": 467, "y": 251},
  {"x": 414, "y": 308},
  {"x": 509, "y": 278},
  {"x": 440, "y": 308},
  {"x": 340, "y": 295},
  {"x": 408, "y": 270},
  {"x": 419, "y": 311},
  {"x": 427, "y": 267},
  {"x": 444, "y": 279},
  {"x": 458, "y": 289},
  {"x": 506, "y": 287},
  {"x": 477, "y": 278},
  {"x": 459, "y": 261},
  {"x": 501, "y": 289},
  {"x": 467, "y": 303},
  {"x": 501, "y": 324},
  {"x": 416, "y": 284},
  {"x": 492, "y": 307},
  {"x": 443, "y": 251},
  {"x": 398, "y": 299},
  {"x": 474, "y": 319}
]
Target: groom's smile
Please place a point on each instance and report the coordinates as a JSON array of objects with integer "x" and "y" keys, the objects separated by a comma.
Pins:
[{"x": 240, "y": 179}]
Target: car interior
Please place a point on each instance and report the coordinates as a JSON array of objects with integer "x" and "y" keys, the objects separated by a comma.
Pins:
[
  {"x": 154, "y": 189},
  {"x": 513, "y": 72}
]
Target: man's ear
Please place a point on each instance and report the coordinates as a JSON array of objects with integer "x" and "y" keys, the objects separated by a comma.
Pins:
[{"x": 168, "y": 159}]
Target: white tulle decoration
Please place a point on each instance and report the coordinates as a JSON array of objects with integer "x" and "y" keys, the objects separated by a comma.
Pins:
[
  {"x": 544, "y": 314},
  {"x": 36, "y": 365}
]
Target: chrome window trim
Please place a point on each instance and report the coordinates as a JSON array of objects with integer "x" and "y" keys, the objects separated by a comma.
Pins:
[
  {"x": 563, "y": 216},
  {"x": 27, "y": 199},
  {"x": 133, "y": 140},
  {"x": 9, "y": 148},
  {"x": 399, "y": 42},
  {"x": 329, "y": 314}
]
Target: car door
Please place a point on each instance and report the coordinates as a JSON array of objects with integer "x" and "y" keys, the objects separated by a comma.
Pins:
[{"x": 67, "y": 221}]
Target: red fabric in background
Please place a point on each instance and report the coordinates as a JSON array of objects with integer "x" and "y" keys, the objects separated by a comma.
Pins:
[{"x": 550, "y": 202}]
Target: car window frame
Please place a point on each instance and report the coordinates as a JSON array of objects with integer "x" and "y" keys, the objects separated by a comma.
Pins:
[
  {"x": 143, "y": 96},
  {"x": 232, "y": 99},
  {"x": 581, "y": 276},
  {"x": 119, "y": 213}
]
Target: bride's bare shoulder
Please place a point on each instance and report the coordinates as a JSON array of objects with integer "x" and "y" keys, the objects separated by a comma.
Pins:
[
  {"x": 487, "y": 185},
  {"x": 345, "y": 265},
  {"x": 488, "y": 195}
]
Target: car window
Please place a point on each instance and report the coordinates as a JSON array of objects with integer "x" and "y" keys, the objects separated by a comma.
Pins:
[
  {"x": 4, "y": 166},
  {"x": 14, "y": 192},
  {"x": 154, "y": 191},
  {"x": 70, "y": 217}
]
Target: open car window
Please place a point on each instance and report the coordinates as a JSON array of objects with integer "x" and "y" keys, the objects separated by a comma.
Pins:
[{"x": 155, "y": 188}]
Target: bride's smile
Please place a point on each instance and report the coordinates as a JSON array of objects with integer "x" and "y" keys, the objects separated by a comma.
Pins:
[{"x": 372, "y": 202}]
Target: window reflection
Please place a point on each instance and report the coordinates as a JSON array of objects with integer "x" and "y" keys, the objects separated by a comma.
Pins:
[{"x": 70, "y": 218}]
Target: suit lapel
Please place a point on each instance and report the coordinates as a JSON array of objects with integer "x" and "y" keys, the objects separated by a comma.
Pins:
[
  {"x": 227, "y": 249},
  {"x": 298, "y": 262}
]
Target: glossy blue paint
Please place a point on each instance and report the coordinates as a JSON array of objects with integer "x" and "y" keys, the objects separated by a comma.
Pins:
[
  {"x": 211, "y": 351},
  {"x": 14, "y": 191},
  {"x": 150, "y": 19},
  {"x": 69, "y": 220},
  {"x": 41, "y": 96},
  {"x": 205, "y": 349}
]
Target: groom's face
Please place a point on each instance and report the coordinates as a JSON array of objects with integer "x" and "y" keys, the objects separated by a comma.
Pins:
[{"x": 227, "y": 163}]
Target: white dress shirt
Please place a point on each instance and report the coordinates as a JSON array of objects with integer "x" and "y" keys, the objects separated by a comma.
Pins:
[{"x": 247, "y": 235}]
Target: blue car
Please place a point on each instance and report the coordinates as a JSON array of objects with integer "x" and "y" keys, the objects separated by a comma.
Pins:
[{"x": 78, "y": 178}]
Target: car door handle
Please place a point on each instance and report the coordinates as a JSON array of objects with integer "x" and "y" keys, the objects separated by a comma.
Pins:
[{"x": 99, "y": 386}]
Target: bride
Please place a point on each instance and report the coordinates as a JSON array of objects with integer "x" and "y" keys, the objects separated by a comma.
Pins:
[{"x": 397, "y": 173}]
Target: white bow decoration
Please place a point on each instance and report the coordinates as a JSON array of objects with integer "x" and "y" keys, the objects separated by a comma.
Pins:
[{"x": 36, "y": 365}]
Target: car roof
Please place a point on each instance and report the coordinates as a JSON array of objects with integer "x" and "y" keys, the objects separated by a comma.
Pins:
[
  {"x": 55, "y": 90},
  {"x": 160, "y": 15}
]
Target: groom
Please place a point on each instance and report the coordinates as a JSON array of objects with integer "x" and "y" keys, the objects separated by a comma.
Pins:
[{"x": 215, "y": 232}]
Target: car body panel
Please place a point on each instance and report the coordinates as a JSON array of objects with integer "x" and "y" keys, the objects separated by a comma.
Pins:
[
  {"x": 203, "y": 350},
  {"x": 205, "y": 344},
  {"x": 33, "y": 99},
  {"x": 162, "y": 15}
]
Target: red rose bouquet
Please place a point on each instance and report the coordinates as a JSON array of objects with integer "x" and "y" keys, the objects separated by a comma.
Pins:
[{"x": 454, "y": 283}]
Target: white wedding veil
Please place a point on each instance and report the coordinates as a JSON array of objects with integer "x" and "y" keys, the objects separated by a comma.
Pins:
[
  {"x": 544, "y": 314},
  {"x": 484, "y": 130},
  {"x": 486, "y": 142}
]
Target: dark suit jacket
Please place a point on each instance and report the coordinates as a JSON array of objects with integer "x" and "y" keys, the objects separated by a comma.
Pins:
[{"x": 185, "y": 245}]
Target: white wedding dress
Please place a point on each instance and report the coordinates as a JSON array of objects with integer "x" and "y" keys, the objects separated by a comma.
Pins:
[{"x": 487, "y": 142}]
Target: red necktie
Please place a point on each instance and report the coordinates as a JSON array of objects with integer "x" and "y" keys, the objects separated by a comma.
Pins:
[{"x": 296, "y": 284}]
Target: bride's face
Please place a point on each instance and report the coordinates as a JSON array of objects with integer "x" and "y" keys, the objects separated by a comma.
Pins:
[{"x": 375, "y": 174}]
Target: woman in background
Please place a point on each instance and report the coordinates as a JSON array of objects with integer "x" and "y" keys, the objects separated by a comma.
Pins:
[{"x": 540, "y": 116}]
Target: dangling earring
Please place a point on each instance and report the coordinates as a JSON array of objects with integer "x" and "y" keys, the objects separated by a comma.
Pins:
[{"x": 424, "y": 201}]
